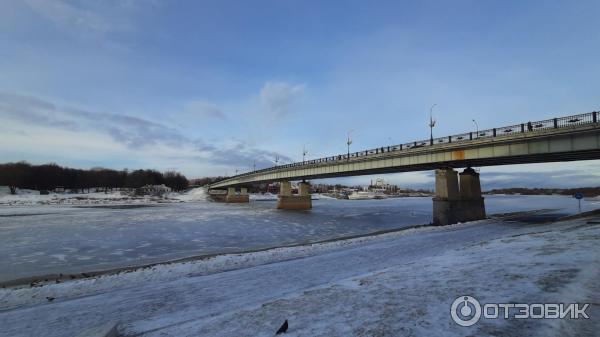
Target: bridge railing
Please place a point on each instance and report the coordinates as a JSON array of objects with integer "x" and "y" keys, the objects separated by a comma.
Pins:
[{"x": 560, "y": 122}]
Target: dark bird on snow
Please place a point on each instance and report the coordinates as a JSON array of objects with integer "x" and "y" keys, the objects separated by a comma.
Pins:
[
  {"x": 283, "y": 328},
  {"x": 50, "y": 299}
]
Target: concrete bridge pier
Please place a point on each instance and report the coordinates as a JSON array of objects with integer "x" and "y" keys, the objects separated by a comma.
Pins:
[
  {"x": 233, "y": 197},
  {"x": 473, "y": 206},
  {"x": 446, "y": 203},
  {"x": 455, "y": 203},
  {"x": 286, "y": 200}
]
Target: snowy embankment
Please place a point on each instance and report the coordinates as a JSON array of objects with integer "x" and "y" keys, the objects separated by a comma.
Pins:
[
  {"x": 32, "y": 198},
  {"x": 400, "y": 283}
]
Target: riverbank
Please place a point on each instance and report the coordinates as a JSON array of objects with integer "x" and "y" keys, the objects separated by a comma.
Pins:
[
  {"x": 535, "y": 216},
  {"x": 399, "y": 283},
  {"x": 49, "y": 279},
  {"x": 44, "y": 241}
]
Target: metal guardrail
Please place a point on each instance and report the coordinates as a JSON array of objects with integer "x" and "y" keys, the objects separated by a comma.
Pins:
[{"x": 555, "y": 123}]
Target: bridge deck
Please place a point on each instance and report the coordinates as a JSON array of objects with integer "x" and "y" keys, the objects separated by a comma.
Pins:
[{"x": 560, "y": 139}]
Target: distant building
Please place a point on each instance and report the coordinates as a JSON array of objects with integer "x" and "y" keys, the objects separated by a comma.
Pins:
[
  {"x": 381, "y": 184},
  {"x": 153, "y": 190}
]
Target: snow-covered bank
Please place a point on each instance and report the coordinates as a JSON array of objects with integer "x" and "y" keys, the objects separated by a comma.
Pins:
[
  {"x": 33, "y": 198},
  {"x": 394, "y": 284},
  {"x": 23, "y": 295}
]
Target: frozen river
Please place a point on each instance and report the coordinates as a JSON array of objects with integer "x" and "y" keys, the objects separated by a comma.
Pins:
[{"x": 39, "y": 240}]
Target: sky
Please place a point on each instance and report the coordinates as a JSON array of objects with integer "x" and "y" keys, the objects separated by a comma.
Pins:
[{"x": 213, "y": 87}]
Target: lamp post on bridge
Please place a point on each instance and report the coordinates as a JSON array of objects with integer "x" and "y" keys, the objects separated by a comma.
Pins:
[
  {"x": 476, "y": 126},
  {"x": 348, "y": 142},
  {"x": 431, "y": 124},
  {"x": 304, "y": 153}
]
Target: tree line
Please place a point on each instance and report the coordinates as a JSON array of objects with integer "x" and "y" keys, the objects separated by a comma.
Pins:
[{"x": 50, "y": 176}]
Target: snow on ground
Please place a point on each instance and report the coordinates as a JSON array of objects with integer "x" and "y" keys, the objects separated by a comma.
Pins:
[
  {"x": 32, "y": 198},
  {"x": 400, "y": 283},
  {"x": 195, "y": 194}
]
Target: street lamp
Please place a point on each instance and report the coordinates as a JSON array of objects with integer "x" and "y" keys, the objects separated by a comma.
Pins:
[
  {"x": 348, "y": 142},
  {"x": 476, "y": 126},
  {"x": 276, "y": 160},
  {"x": 304, "y": 153},
  {"x": 431, "y": 124}
]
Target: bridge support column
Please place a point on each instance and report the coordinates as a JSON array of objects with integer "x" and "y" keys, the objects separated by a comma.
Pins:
[
  {"x": 217, "y": 195},
  {"x": 453, "y": 204},
  {"x": 303, "y": 189},
  {"x": 446, "y": 203},
  {"x": 473, "y": 206},
  {"x": 232, "y": 197},
  {"x": 285, "y": 188},
  {"x": 300, "y": 201}
]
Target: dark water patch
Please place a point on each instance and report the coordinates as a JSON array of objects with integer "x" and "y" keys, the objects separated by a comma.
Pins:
[
  {"x": 116, "y": 206},
  {"x": 23, "y": 214}
]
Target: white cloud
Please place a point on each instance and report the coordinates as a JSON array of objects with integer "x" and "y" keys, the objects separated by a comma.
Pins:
[
  {"x": 279, "y": 98},
  {"x": 39, "y": 130}
]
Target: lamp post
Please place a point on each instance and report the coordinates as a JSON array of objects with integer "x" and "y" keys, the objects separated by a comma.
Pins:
[
  {"x": 431, "y": 124},
  {"x": 477, "y": 127},
  {"x": 276, "y": 160},
  {"x": 304, "y": 153},
  {"x": 348, "y": 142}
]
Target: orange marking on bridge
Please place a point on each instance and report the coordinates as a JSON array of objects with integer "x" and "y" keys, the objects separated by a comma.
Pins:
[{"x": 458, "y": 155}]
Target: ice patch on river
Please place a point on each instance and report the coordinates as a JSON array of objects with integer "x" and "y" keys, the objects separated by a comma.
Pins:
[{"x": 396, "y": 284}]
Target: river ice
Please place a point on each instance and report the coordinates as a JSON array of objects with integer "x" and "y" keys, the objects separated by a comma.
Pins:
[
  {"x": 395, "y": 284},
  {"x": 41, "y": 239}
]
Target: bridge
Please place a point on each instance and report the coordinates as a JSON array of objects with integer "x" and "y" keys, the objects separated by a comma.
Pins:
[{"x": 559, "y": 139}]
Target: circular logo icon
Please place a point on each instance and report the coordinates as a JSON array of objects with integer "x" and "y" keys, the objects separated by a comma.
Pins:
[{"x": 465, "y": 311}]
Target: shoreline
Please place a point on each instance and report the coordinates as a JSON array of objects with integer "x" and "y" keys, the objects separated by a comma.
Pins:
[{"x": 41, "y": 280}]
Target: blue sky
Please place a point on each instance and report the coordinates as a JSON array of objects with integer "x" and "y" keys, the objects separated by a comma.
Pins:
[{"x": 207, "y": 87}]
